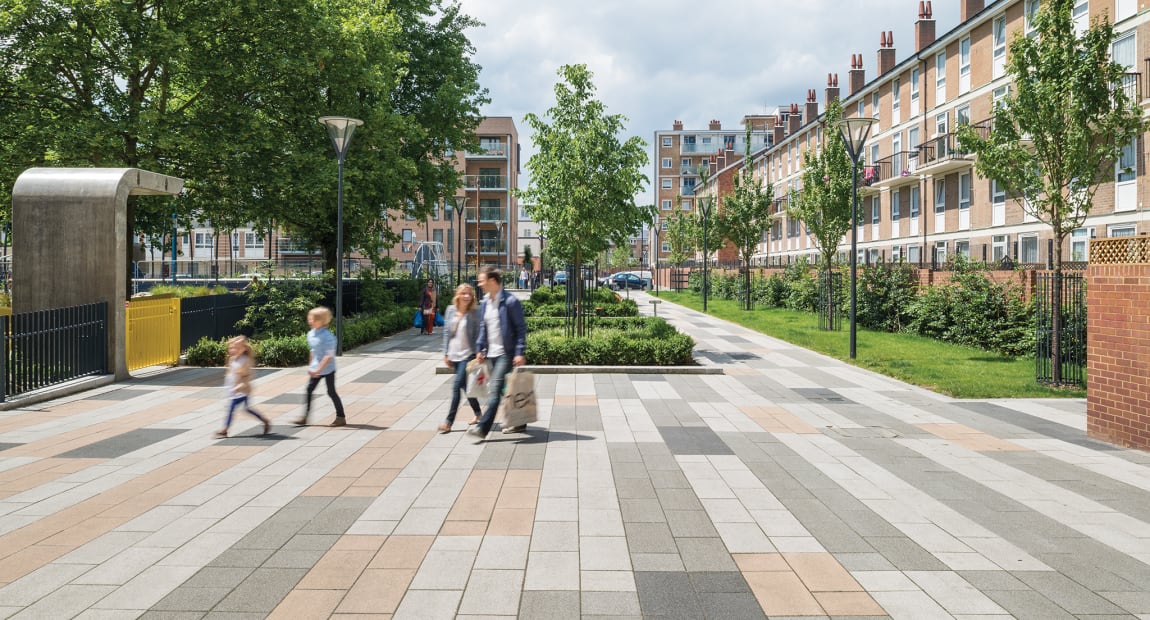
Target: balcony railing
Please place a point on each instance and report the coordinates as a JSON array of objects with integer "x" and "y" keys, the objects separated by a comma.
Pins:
[
  {"x": 486, "y": 246},
  {"x": 689, "y": 170},
  {"x": 491, "y": 149},
  {"x": 1131, "y": 83},
  {"x": 486, "y": 181},
  {"x": 699, "y": 149},
  {"x": 487, "y": 214},
  {"x": 687, "y": 191}
]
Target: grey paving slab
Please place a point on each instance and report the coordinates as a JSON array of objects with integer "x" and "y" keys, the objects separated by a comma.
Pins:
[
  {"x": 262, "y": 591},
  {"x": 667, "y": 594},
  {"x": 8, "y": 446},
  {"x": 378, "y": 376},
  {"x": 122, "y": 444},
  {"x": 549, "y": 605}
]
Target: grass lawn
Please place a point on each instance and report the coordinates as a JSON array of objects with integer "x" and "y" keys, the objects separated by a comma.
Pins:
[{"x": 961, "y": 372}]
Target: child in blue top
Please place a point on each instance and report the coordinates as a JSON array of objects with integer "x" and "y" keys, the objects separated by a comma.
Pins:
[{"x": 321, "y": 364}]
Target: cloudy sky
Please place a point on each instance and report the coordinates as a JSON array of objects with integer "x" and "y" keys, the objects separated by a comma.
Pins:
[{"x": 655, "y": 61}]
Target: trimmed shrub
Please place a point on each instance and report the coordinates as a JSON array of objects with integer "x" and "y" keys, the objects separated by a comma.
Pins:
[
  {"x": 282, "y": 352},
  {"x": 365, "y": 328},
  {"x": 885, "y": 295},
  {"x": 208, "y": 352},
  {"x": 630, "y": 342}
]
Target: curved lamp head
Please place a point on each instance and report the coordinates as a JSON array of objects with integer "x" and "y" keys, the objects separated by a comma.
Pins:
[
  {"x": 855, "y": 132},
  {"x": 340, "y": 130}
]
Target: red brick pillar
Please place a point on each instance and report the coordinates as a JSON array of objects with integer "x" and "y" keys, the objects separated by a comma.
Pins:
[{"x": 1118, "y": 349}]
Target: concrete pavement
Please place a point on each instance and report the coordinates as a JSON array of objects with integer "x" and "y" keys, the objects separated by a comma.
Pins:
[{"x": 791, "y": 485}]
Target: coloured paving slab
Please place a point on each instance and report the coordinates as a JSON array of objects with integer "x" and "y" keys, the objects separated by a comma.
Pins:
[{"x": 792, "y": 485}]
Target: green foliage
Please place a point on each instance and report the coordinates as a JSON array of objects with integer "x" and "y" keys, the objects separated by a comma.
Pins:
[
  {"x": 187, "y": 291},
  {"x": 370, "y": 327},
  {"x": 280, "y": 308},
  {"x": 583, "y": 179},
  {"x": 824, "y": 203},
  {"x": 282, "y": 352},
  {"x": 226, "y": 94},
  {"x": 975, "y": 311},
  {"x": 208, "y": 352},
  {"x": 746, "y": 213},
  {"x": 884, "y": 296},
  {"x": 614, "y": 342},
  {"x": 680, "y": 234}
]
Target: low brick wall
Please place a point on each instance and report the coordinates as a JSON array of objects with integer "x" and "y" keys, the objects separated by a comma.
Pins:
[{"x": 1118, "y": 353}]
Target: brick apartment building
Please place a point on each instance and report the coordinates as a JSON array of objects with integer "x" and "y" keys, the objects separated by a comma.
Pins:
[{"x": 922, "y": 198}]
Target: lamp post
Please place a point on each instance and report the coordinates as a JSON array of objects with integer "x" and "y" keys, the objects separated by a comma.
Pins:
[
  {"x": 499, "y": 247},
  {"x": 460, "y": 205},
  {"x": 340, "y": 130},
  {"x": 705, "y": 204},
  {"x": 854, "y": 133}
]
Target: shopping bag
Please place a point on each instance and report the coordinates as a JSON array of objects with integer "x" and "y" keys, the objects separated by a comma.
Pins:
[
  {"x": 418, "y": 321},
  {"x": 478, "y": 375},
  {"x": 438, "y": 319},
  {"x": 518, "y": 407}
]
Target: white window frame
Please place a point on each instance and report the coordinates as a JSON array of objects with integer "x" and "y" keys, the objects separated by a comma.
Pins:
[
  {"x": 875, "y": 209},
  {"x": 1029, "y": 11},
  {"x": 1126, "y": 166},
  {"x": 914, "y": 86},
  {"x": 874, "y": 111},
  {"x": 686, "y": 206},
  {"x": 666, "y": 141},
  {"x": 1124, "y": 9},
  {"x": 1122, "y": 230},
  {"x": 204, "y": 240},
  {"x": 1080, "y": 243},
  {"x": 253, "y": 241},
  {"x": 962, "y": 248},
  {"x": 895, "y": 102},
  {"x": 999, "y": 247},
  {"x": 665, "y": 184},
  {"x": 940, "y": 251},
  {"x": 998, "y": 38},
  {"x": 1024, "y": 246},
  {"x": 915, "y": 200},
  {"x": 666, "y": 247},
  {"x": 666, "y": 162},
  {"x": 666, "y": 204},
  {"x": 895, "y": 205},
  {"x": 1081, "y": 16},
  {"x": 964, "y": 65},
  {"x": 939, "y": 196},
  {"x": 940, "y": 77}
]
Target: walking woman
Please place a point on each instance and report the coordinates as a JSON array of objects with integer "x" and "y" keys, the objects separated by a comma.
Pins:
[
  {"x": 428, "y": 306},
  {"x": 459, "y": 348}
]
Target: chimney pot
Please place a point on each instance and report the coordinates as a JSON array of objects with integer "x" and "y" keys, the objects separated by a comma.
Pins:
[{"x": 857, "y": 76}]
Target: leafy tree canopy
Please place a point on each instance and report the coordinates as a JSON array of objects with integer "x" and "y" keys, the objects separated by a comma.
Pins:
[{"x": 824, "y": 202}]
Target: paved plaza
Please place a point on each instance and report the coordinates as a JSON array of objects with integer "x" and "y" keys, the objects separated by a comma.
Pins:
[{"x": 791, "y": 485}]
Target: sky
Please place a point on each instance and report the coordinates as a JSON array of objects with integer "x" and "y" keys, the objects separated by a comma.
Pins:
[{"x": 657, "y": 61}]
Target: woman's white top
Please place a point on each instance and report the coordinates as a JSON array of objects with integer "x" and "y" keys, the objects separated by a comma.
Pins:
[{"x": 459, "y": 347}]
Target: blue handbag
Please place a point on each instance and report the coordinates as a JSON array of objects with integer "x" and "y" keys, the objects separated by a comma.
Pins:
[
  {"x": 418, "y": 322},
  {"x": 438, "y": 319}
]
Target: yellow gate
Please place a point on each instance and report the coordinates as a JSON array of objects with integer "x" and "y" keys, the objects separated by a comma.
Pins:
[{"x": 153, "y": 332}]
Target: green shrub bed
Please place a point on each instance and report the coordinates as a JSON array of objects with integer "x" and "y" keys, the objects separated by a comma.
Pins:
[{"x": 610, "y": 342}]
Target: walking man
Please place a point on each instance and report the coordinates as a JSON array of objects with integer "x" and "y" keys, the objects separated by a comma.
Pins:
[{"x": 502, "y": 341}]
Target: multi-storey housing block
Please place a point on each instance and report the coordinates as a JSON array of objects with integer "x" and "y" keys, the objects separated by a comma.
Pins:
[{"x": 920, "y": 197}]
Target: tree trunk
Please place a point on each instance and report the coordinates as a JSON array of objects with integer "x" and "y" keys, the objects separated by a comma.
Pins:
[{"x": 1056, "y": 313}]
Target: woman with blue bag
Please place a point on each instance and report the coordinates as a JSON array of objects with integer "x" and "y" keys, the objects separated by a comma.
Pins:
[{"x": 428, "y": 307}]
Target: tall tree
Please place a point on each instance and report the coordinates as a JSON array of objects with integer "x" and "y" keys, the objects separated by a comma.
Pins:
[
  {"x": 823, "y": 204},
  {"x": 1058, "y": 134},
  {"x": 583, "y": 178},
  {"x": 226, "y": 95},
  {"x": 745, "y": 214},
  {"x": 679, "y": 235}
]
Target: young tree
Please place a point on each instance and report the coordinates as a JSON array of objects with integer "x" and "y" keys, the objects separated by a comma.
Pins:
[
  {"x": 824, "y": 203},
  {"x": 746, "y": 213},
  {"x": 1060, "y": 130},
  {"x": 583, "y": 178},
  {"x": 528, "y": 256},
  {"x": 680, "y": 235}
]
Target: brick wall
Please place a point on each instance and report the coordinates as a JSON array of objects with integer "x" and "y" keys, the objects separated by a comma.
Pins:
[{"x": 1118, "y": 354}]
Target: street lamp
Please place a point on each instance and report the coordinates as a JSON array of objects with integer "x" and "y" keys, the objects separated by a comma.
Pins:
[
  {"x": 499, "y": 247},
  {"x": 340, "y": 130},
  {"x": 460, "y": 205},
  {"x": 854, "y": 133},
  {"x": 705, "y": 204}
]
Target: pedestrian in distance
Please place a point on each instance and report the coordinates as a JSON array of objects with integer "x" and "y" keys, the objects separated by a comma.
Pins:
[
  {"x": 321, "y": 364},
  {"x": 459, "y": 346},
  {"x": 502, "y": 341},
  {"x": 428, "y": 306},
  {"x": 238, "y": 383}
]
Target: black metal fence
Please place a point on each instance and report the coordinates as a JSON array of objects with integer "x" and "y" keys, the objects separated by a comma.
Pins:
[
  {"x": 211, "y": 316},
  {"x": 1067, "y": 366},
  {"x": 47, "y": 347}
]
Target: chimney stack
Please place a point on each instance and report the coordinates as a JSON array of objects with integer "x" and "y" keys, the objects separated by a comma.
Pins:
[
  {"x": 886, "y": 53},
  {"x": 857, "y": 76},
  {"x": 795, "y": 120},
  {"x": 832, "y": 92},
  {"x": 969, "y": 8},
  {"x": 715, "y": 125},
  {"x": 811, "y": 112},
  {"x": 924, "y": 28},
  {"x": 779, "y": 129},
  {"x": 677, "y": 126}
]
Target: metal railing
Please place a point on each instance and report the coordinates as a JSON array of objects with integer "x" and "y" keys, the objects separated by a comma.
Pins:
[
  {"x": 153, "y": 326},
  {"x": 1131, "y": 84},
  {"x": 48, "y": 347},
  {"x": 485, "y": 181}
]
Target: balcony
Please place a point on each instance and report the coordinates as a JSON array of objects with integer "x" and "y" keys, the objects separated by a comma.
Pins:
[
  {"x": 486, "y": 246},
  {"x": 893, "y": 171},
  {"x": 490, "y": 150},
  {"x": 486, "y": 182},
  {"x": 687, "y": 191},
  {"x": 486, "y": 214},
  {"x": 691, "y": 171}
]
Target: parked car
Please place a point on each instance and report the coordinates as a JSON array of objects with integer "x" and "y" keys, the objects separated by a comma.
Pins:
[
  {"x": 627, "y": 280},
  {"x": 561, "y": 278}
]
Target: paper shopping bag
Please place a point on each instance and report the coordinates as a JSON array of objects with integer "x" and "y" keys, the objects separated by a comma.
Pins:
[
  {"x": 478, "y": 375},
  {"x": 518, "y": 407}
]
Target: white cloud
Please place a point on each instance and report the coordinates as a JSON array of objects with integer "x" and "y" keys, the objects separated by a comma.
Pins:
[{"x": 656, "y": 62}]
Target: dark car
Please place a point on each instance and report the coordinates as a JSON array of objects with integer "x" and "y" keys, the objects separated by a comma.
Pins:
[{"x": 627, "y": 280}]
